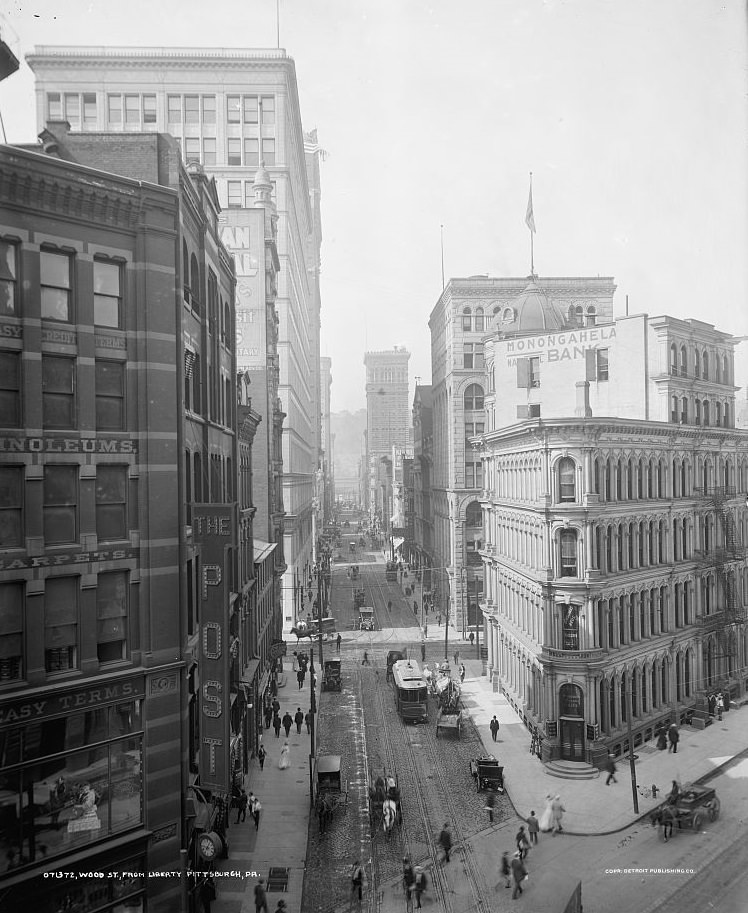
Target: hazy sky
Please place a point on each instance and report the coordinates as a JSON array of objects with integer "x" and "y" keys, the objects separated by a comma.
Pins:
[{"x": 630, "y": 113}]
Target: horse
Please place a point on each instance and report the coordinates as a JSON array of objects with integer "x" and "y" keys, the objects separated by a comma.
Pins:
[
  {"x": 389, "y": 815},
  {"x": 664, "y": 816}
]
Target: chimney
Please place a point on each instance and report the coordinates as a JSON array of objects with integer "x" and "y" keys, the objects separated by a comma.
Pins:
[{"x": 583, "y": 399}]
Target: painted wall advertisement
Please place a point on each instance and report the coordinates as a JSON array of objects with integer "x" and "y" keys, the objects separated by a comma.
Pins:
[{"x": 213, "y": 531}]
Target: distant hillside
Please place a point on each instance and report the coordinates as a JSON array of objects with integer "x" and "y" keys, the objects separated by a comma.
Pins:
[{"x": 348, "y": 428}]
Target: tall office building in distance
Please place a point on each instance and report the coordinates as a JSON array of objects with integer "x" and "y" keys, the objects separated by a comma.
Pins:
[{"x": 237, "y": 113}]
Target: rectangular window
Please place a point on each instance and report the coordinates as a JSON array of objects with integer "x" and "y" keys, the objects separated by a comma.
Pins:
[
  {"x": 209, "y": 109},
  {"x": 107, "y": 294},
  {"x": 111, "y": 616},
  {"x": 233, "y": 109},
  {"x": 55, "y": 285},
  {"x": 568, "y": 553},
  {"x": 58, "y": 392},
  {"x": 61, "y": 624},
  {"x": 268, "y": 109},
  {"x": 54, "y": 106},
  {"x": 268, "y": 151},
  {"x": 111, "y": 502},
  {"x": 174, "y": 109},
  {"x": 235, "y": 194},
  {"x": 250, "y": 109},
  {"x": 89, "y": 108},
  {"x": 249, "y": 195},
  {"x": 132, "y": 109},
  {"x": 467, "y": 355},
  {"x": 149, "y": 109},
  {"x": 192, "y": 109},
  {"x": 209, "y": 151},
  {"x": 602, "y": 364},
  {"x": 8, "y": 279},
  {"x": 191, "y": 150},
  {"x": 110, "y": 396},
  {"x": 11, "y": 632},
  {"x": 534, "y": 367},
  {"x": 469, "y": 475},
  {"x": 10, "y": 389},
  {"x": 251, "y": 151},
  {"x": 73, "y": 109},
  {"x": 235, "y": 151},
  {"x": 114, "y": 109},
  {"x": 11, "y": 508},
  {"x": 60, "y": 504}
]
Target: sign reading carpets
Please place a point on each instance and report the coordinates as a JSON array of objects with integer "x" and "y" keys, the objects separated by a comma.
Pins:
[{"x": 212, "y": 526}]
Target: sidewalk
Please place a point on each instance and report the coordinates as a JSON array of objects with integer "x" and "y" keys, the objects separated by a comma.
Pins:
[{"x": 282, "y": 836}]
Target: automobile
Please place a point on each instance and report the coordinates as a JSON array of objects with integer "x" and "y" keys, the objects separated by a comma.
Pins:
[
  {"x": 366, "y": 618},
  {"x": 331, "y": 679}
]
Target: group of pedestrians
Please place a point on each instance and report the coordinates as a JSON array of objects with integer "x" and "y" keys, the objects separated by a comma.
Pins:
[
  {"x": 285, "y": 722},
  {"x": 514, "y": 869}
]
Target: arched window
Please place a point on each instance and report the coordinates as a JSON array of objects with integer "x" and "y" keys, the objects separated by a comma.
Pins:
[
  {"x": 725, "y": 370},
  {"x": 673, "y": 359},
  {"x": 473, "y": 515},
  {"x": 674, "y": 409},
  {"x": 717, "y": 370},
  {"x": 705, "y": 363},
  {"x": 718, "y": 414},
  {"x": 467, "y": 320},
  {"x": 696, "y": 364},
  {"x": 566, "y": 479},
  {"x": 697, "y": 412},
  {"x": 227, "y": 328},
  {"x": 185, "y": 271},
  {"x": 480, "y": 322},
  {"x": 195, "y": 283},
  {"x": 570, "y": 628},
  {"x": 683, "y": 361},
  {"x": 473, "y": 397},
  {"x": 591, "y": 317},
  {"x": 576, "y": 315},
  {"x": 568, "y": 552},
  {"x": 684, "y": 411},
  {"x": 705, "y": 409}
]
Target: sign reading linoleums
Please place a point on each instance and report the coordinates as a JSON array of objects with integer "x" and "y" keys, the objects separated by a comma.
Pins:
[
  {"x": 559, "y": 346},
  {"x": 212, "y": 529},
  {"x": 51, "y": 444}
]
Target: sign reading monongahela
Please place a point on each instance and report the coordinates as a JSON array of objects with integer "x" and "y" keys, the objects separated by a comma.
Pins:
[
  {"x": 560, "y": 346},
  {"x": 213, "y": 530}
]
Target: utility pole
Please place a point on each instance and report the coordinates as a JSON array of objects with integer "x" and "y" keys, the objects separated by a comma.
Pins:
[{"x": 632, "y": 763}]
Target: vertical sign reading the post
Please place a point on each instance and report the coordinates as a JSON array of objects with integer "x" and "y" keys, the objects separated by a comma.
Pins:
[{"x": 212, "y": 526}]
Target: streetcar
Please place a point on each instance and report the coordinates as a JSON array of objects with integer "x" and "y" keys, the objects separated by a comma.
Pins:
[
  {"x": 390, "y": 571},
  {"x": 410, "y": 690}
]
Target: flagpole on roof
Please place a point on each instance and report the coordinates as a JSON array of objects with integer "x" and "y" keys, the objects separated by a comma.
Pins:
[{"x": 530, "y": 222}]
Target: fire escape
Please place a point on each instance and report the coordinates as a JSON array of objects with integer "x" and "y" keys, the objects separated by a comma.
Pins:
[{"x": 729, "y": 611}]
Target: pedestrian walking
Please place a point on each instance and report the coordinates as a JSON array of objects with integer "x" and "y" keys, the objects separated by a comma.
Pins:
[
  {"x": 408, "y": 878},
  {"x": 285, "y": 757},
  {"x": 490, "y": 805},
  {"x": 519, "y": 873},
  {"x": 546, "y": 818},
  {"x": 255, "y": 807},
  {"x": 241, "y": 809},
  {"x": 457, "y": 658},
  {"x": 338, "y": 640},
  {"x": 419, "y": 884},
  {"x": 661, "y": 738},
  {"x": 610, "y": 766},
  {"x": 207, "y": 893},
  {"x": 471, "y": 638},
  {"x": 720, "y": 705},
  {"x": 277, "y": 725},
  {"x": 423, "y": 652},
  {"x": 439, "y": 620},
  {"x": 308, "y": 721},
  {"x": 389, "y": 605},
  {"x": 506, "y": 871},
  {"x": 365, "y": 660},
  {"x": 298, "y": 719},
  {"x": 533, "y": 827},
  {"x": 268, "y": 716},
  {"x": 261, "y": 756},
  {"x": 462, "y": 672},
  {"x": 494, "y": 727},
  {"x": 287, "y": 722},
  {"x": 673, "y": 737},
  {"x": 557, "y": 810},
  {"x": 261, "y": 900},
  {"x": 415, "y": 607},
  {"x": 357, "y": 879},
  {"x": 276, "y": 707},
  {"x": 300, "y": 675},
  {"x": 523, "y": 844},
  {"x": 445, "y": 840}
]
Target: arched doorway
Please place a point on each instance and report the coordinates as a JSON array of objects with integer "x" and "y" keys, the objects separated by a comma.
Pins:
[{"x": 571, "y": 715}]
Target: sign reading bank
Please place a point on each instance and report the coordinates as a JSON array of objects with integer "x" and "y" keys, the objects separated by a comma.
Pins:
[{"x": 560, "y": 346}]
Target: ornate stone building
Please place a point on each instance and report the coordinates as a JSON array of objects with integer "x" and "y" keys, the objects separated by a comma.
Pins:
[{"x": 615, "y": 520}]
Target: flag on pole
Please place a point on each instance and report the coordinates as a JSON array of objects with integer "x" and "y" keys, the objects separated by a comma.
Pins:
[{"x": 529, "y": 217}]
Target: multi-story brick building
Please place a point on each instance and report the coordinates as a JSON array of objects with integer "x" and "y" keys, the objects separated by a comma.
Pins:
[
  {"x": 118, "y": 463},
  {"x": 615, "y": 520},
  {"x": 232, "y": 110}
]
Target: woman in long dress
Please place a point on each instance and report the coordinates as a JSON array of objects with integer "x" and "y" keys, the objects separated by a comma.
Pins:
[
  {"x": 546, "y": 819},
  {"x": 284, "y": 760}
]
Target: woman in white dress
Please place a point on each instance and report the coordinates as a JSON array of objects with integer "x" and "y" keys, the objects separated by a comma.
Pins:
[
  {"x": 284, "y": 760},
  {"x": 546, "y": 819}
]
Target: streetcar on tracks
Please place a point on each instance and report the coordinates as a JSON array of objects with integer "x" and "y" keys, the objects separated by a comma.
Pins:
[
  {"x": 390, "y": 571},
  {"x": 410, "y": 690},
  {"x": 366, "y": 618}
]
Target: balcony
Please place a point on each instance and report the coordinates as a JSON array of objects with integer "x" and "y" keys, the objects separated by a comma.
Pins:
[{"x": 595, "y": 654}]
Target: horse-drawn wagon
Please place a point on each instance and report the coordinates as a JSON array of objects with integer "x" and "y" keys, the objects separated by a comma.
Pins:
[
  {"x": 330, "y": 790},
  {"x": 385, "y": 810},
  {"x": 359, "y": 596},
  {"x": 487, "y": 773},
  {"x": 331, "y": 678},
  {"x": 686, "y": 808}
]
